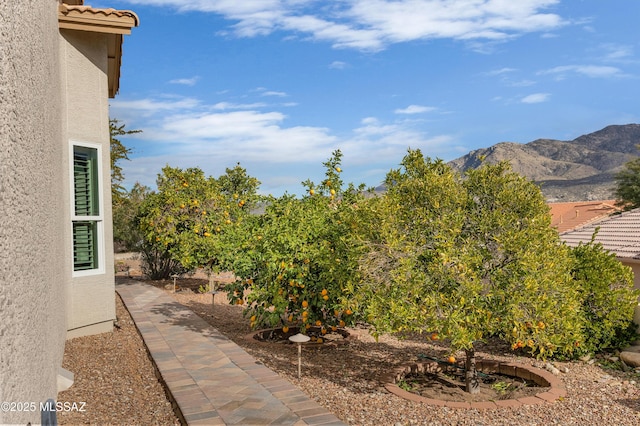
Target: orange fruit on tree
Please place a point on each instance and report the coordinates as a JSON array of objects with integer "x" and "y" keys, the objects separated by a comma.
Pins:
[
  {"x": 334, "y": 328},
  {"x": 325, "y": 297},
  {"x": 324, "y": 292},
  {"x": 253, "y": 318},
  {"x": 290, "y": 319},
  {"x": 541, "y": 325},
  {"x": 348, "y": 312},
  {"x": 434, "y": 336},
  {"x": 305, "y": 304},
  {"x": 318, "y": 323},
  {"x": 285, "y": 329},
  {"x": 451, "y": 359},
  {"x": 342, "y": 324}
]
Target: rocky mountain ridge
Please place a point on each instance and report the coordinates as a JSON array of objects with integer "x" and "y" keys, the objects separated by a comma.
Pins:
[{"x": 578, "y": 170}]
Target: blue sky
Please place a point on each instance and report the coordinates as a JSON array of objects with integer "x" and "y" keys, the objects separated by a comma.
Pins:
[{"x": 277, "y": 85}]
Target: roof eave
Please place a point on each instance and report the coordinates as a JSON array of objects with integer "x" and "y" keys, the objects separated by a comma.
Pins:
[{"x": 107, "y": 21}]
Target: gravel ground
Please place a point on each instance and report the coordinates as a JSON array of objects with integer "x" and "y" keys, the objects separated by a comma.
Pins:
[
  {"x": 115, "y": 377},
  {"x": 345, "y": 379}
]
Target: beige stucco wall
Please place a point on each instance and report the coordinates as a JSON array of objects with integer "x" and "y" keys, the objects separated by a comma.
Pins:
[
  {"x": 33, "y": 257},
  {"x": 90, "y": 302}
]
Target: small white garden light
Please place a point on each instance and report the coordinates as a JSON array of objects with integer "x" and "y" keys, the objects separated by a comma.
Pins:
[{"x": 299, "y": 339}]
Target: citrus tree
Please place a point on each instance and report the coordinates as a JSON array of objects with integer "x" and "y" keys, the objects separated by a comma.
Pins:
[
  {"x": 298, "y": 258},
  {"x": 189, "y": 221},
  {"x": 468, "y": 257}
]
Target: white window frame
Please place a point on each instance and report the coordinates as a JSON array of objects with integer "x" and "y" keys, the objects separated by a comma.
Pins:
[{"x": 98, "y": 219}]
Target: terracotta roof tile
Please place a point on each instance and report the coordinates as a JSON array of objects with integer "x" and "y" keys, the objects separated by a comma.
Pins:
[
  {"x": 620, "y": 234},
  {"x": 112, "y": 17},
  {"x": 568, "y": 216}
]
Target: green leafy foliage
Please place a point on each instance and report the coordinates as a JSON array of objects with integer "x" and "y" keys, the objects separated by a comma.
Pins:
[
  {"x": 189, "y": 222},
  {"x": 299, "y": 260},
  {"x": 608, "y": 297},
  {"x": 118, "y": 152},
  {"x": 126, "y": 235},
  {"x": 627, "y": 189},
  {"x": 468, "y": 257}
]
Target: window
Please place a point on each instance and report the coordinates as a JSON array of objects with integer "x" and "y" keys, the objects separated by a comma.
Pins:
[{"x": 87, "y": 217}]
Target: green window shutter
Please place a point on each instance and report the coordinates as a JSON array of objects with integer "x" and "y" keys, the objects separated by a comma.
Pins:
[
  {"x": 85, "y": 245},
  {"x": 86, "y": 207},
  {"x": 85, "y": 181}
]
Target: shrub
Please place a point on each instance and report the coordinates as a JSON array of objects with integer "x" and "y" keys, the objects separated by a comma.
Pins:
[{"x": 608, "y": 297}]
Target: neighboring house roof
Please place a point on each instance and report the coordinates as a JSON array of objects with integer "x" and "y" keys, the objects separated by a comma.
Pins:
[
  {"x": 73, "y": 15},
  {"x": 619, "y": 234},
  {"x": 568, "y": 216}
]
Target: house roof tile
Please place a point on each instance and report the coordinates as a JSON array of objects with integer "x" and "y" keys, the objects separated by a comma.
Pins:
[
  {"x": 568, "y": 216},
  {"x": 620, "y": 234},
  {"x": 74, "y": 15}
]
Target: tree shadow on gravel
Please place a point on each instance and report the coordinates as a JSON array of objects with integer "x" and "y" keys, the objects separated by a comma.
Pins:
[
  {"x": 361, "y": 365},
  {"x": 632, "y": 403}
]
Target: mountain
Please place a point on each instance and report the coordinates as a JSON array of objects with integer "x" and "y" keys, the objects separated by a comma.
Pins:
[{"x": 579, "y": 170}]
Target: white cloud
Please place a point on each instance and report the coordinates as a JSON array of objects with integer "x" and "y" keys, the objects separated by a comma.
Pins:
[
  {"x": 522, "y": 83},
  {"x": 593, "y": 71},
  {"x": 616, "y": 52},
  {"x": 274, "y": 93},
  {"x": 374, "y": 24},
  {"x": 500, "y": 71},
  {"x": 414, "y": 109},
  {"x": 150, "y": 106},
  {"x": 185, "y": 81},
  {"x": 216, "y": 136},
  {"x": 227, "y": 105},
  {"x": 535, "y": 98},
  {"x": 338, "y": 65}
]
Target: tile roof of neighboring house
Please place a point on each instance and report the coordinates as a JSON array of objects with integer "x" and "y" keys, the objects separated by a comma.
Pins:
[
  {"x": 74, "y": 15},
  {"x": 620, "y": 234},
  {"x": 568, "y": 216}
]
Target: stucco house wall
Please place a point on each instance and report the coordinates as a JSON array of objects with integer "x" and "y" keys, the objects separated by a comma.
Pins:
[
  {"x": 34, "y": 259},
  {"x": 90, "y": 301},
  {"x": 59, "y": 64}
]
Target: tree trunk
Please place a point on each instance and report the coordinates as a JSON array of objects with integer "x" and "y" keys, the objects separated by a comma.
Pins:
[{"x": 471, "y": 374}]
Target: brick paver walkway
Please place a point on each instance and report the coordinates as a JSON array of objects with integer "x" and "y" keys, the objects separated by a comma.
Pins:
[{"x": 212, "y": 380}]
